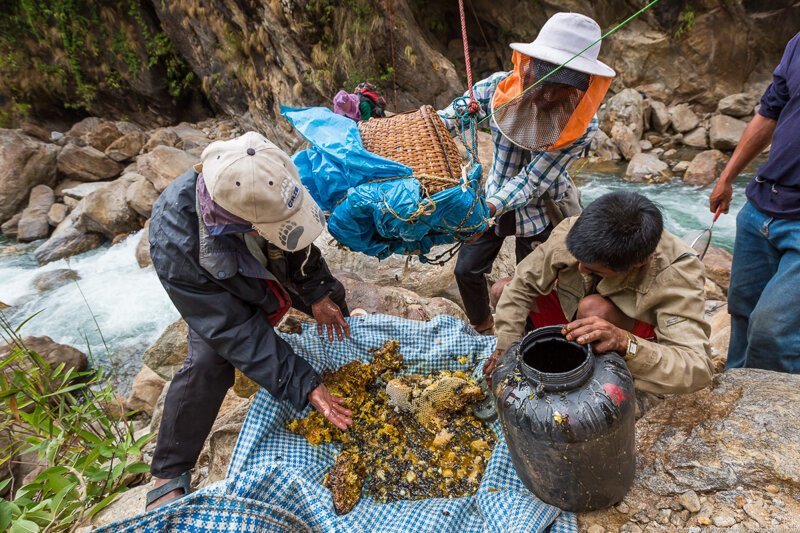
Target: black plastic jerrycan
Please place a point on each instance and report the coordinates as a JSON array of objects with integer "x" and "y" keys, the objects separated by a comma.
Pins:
[{"x": 568, "y": 419}]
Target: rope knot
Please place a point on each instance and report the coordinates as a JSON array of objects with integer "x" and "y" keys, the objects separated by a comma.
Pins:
[{"x": 474, "y": 107}]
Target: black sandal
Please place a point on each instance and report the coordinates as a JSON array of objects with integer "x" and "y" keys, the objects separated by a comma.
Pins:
[{"x": 181, "y": 482}]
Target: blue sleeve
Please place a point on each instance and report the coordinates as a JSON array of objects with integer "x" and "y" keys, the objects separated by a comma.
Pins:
[{"x": 777, "y": 94}]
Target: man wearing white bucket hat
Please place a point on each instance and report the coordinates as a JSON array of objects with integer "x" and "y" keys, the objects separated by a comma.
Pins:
[
  {"x": 542, "y": 118},
  {"x": 231, "y": 242}
]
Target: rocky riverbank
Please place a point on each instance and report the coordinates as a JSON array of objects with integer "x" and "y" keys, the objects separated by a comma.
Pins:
[
  {"x": 639, "y": 127},
  {"x": 69, "y": 192}
]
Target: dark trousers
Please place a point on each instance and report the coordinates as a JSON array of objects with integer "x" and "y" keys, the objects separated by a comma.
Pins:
[
  {"x": 194, "y": 398},
  {"x": 475, "y": 260}
]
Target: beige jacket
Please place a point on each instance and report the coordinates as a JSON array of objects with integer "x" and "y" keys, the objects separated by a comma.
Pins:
[{"x": 667, "y": 293}]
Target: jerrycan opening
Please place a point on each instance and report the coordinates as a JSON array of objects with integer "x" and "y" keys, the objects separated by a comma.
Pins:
[
  {"x": 554, "y": 362},
  {"x": 553, "y": 356}
]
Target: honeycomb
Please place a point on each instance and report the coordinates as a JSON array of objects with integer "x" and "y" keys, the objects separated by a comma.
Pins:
[{"x": 412, "y": 437}]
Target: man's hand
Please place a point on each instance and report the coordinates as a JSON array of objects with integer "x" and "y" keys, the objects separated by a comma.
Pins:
[
  {"x": 601, "y": 334},
  {"x": 327, "y": 314},
  {"x": 721, "y": 196},
  {"x": 332, "y": 407},
  {"x": 488, "y": 366},
  {"x": 492, "y": 208}
]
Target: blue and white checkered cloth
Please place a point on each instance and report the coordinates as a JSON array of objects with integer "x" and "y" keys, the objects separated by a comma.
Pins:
[{"x": 274, "y": 482}]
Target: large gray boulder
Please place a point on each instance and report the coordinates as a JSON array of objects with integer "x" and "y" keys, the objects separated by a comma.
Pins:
[
  {"x": 737, "y": 105},
  {"x": 726, "y": 132},
  {"x": 33, "y": 224},
  {"x": 705, "y": 168},
  {"x": 84, "y": 189},
  {"x": 143, "y": 247},
  {"x": 103, "y": 135},
  {"x": 52, "y": 279},
  {"x": 218, "y": 450},
  {"x": 161, "y": 137},
  {"x": 727, "y": 455},
  {"x": 145, "y": 391},
  {"x": 141, "y": 195},
  {"x": 683, "y": 118},
  {"x": 191, "y": 138},
  {"x": 425, "y": 279},
  {"x": 624, "y": 121},
  {"x": 83, "y": 127},
  {"x": 647, "y": 168},
  {"x": 24, "y": 163},
  {"x": 718, "y": 266},
  {"x": 166, "y": 356},
  {"x": 659, "y": 116},
  {"x": 603, "y": 148},
  {"x": 127, "y": 147},
  {"x": 87, "y": 163},
  {"x": 396, "y": 301},
  {"x": 697, "y": 138},
  {"x": 130, "y": 503},
  {"x": 9, "y": 227},
  {"x": 626, "y": 140},
  {"x": 68, "y": 239},
  {"x": 106, "y": 210},
  {"x": 626, "y": 108},
  {"x": 163, "y": 164},
  {"x": 52, "y": 352},
  {"x": 57, "y": 213}
]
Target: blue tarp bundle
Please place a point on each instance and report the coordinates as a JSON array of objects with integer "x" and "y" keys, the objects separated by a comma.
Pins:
[
  {"x": 370, "y": 212},
  {"x": 274, "y": 481}
]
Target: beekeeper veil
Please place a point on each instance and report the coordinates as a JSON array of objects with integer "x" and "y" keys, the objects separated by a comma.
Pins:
[{"x": 542, "y": 107}]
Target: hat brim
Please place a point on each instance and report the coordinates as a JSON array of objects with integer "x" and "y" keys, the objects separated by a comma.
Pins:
[
  {"x": 559, "y": 57},
  {"x": 296, "y": 232}
]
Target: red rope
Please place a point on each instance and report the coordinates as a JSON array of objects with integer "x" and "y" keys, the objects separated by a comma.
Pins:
[
  {"x": 474, "y": 106},
  {"x": 391, "y": 42}
]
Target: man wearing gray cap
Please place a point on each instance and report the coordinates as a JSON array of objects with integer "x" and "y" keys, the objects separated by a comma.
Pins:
[
  {"x": 231, "y": 242},
  {"x": 542, "y": 117}
]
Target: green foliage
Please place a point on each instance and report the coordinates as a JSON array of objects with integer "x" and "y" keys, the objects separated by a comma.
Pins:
[
  {"x": 65, "y": 417},
  {"x": 86, "y": 51},
  {"x": 686, "y": 20},
  {"x": 14, "y": 113},
  {"x": 179, "y": 76},
  {"x": 345, "y": 34}
]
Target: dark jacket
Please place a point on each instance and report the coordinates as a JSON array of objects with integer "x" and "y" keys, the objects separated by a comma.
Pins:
[{"x": 220, "y": 290}]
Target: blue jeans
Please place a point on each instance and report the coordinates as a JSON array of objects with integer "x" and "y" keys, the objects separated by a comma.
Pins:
[{"x": 764, "y": 295}]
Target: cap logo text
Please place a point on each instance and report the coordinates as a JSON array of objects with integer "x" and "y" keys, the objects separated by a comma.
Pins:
[{"x": 295, "y": 192}]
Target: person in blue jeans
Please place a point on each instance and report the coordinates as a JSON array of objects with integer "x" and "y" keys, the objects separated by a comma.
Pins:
[{"x": 765, "y": 275}]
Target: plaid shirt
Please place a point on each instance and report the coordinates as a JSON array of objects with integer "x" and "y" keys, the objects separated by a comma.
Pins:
[{"x": 513, "y": 184}]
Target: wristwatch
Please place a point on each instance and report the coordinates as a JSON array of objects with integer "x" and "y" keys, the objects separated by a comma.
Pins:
[{"x": 633, "y": 347}]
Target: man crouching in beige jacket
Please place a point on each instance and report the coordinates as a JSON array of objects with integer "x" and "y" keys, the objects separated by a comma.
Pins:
[{"x": 619, "y": 282}]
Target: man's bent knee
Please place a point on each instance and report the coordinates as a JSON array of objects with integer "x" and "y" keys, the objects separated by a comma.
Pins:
[
  {"x": 497, "y": 290},
  {"x": 596, "y": 305}
]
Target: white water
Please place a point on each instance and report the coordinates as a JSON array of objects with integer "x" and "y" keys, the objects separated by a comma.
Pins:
[
  {"x": 132, "y": 308},
  {"x": 128, "y": 302},
  {"x": 685, "y": 208}
]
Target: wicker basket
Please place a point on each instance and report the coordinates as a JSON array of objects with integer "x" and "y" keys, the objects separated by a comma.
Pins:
[{"x": 420, "y": 140}]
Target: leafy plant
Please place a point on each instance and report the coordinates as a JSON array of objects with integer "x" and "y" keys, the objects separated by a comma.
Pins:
[
  {"x": 89, "y": 53},
  {"x": 686, "y": 20},
  {"x": 68, "y": 419}
]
